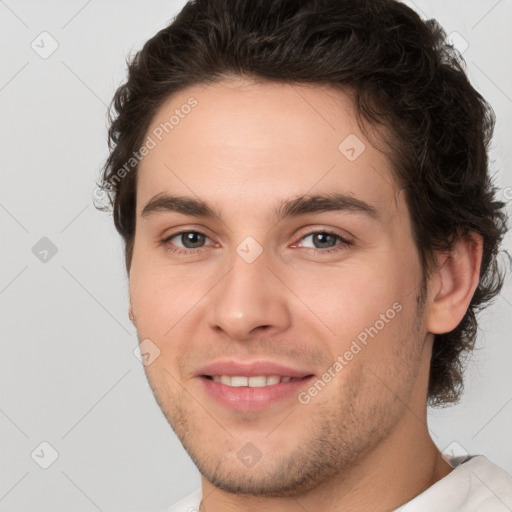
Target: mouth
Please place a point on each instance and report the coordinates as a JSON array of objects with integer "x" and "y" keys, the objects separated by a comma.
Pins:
[
  {"x": 254, "y": 393},
  {"x": 257, "y": 381}
]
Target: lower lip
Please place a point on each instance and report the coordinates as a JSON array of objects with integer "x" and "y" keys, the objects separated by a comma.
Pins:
[{"x": 245, "y": 398}]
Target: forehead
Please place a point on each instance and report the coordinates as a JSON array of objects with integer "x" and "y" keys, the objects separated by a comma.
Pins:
[{"x": 250, "y": 141}]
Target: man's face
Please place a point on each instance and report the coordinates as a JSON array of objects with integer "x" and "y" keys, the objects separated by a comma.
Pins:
[{"x": 326, "y": 298}]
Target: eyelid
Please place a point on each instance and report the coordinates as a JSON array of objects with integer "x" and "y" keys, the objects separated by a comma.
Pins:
[
  {"x": 311, "y": 230},
  {"x": 172, "y": 232}
]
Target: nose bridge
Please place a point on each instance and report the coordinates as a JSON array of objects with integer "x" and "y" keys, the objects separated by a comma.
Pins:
[{"x": 248, "y": 296}]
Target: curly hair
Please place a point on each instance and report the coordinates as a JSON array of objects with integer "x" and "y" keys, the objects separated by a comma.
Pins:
[{"x": 405, "y": 78}]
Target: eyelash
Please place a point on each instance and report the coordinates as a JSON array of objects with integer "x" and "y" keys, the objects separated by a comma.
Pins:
[{"x": 344, "y": 243}]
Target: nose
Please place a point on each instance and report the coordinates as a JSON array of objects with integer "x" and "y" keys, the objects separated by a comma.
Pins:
[{"x": 248, "y": 300}]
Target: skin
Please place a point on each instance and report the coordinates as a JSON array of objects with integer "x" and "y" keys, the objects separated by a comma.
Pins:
[{"x": 362, "y": 443}]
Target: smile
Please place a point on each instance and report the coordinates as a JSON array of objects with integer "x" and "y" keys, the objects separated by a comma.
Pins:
[{"x": 259, "y": 381}]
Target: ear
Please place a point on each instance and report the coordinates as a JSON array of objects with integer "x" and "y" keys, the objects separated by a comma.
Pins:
[
  {"x": 453, "y": 284},
  {"x": 131, "y": 315}
]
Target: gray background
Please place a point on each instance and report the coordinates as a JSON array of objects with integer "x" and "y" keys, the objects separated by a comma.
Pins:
[{"x": 69, "y": 376}]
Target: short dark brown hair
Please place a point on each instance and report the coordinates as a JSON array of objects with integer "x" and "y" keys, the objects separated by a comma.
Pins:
[{"x": 405, "y": 77}]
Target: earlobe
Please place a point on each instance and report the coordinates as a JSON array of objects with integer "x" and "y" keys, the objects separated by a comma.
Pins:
[{"x": 454, "y": 283}]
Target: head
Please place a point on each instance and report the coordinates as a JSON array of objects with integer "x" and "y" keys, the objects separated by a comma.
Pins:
[{"x": 327, "y": 162}]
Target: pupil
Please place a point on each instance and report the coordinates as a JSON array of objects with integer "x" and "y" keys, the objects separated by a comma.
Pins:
[
  {"x": 324, "y": 238},
  {"x": 192, "y": 240}
]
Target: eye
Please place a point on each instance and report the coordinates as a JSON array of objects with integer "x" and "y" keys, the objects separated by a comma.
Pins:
[
  {"x": 191, "y": 241},
  {"x": 325, "y": 241}
]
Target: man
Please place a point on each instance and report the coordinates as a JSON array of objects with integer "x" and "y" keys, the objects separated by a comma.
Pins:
[{"x": 310, "y": 227}]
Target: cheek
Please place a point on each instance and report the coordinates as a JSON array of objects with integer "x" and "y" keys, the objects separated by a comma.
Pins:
[
  {"x": 350, "y": 298},
  {"x": 363, "y": 300},
  {"x": 162, "y": 295}
]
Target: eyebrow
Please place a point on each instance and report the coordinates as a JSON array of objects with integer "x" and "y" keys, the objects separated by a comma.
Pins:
[{"x": 302, "y": 205}]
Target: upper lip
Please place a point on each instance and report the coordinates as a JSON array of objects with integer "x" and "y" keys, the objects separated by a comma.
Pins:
[{"x": 250, "y": 369}]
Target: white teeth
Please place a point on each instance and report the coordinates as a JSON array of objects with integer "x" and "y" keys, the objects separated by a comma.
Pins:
[
  {"x": 239, "y": 381},
  {"x": 259, "y": 381}
]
